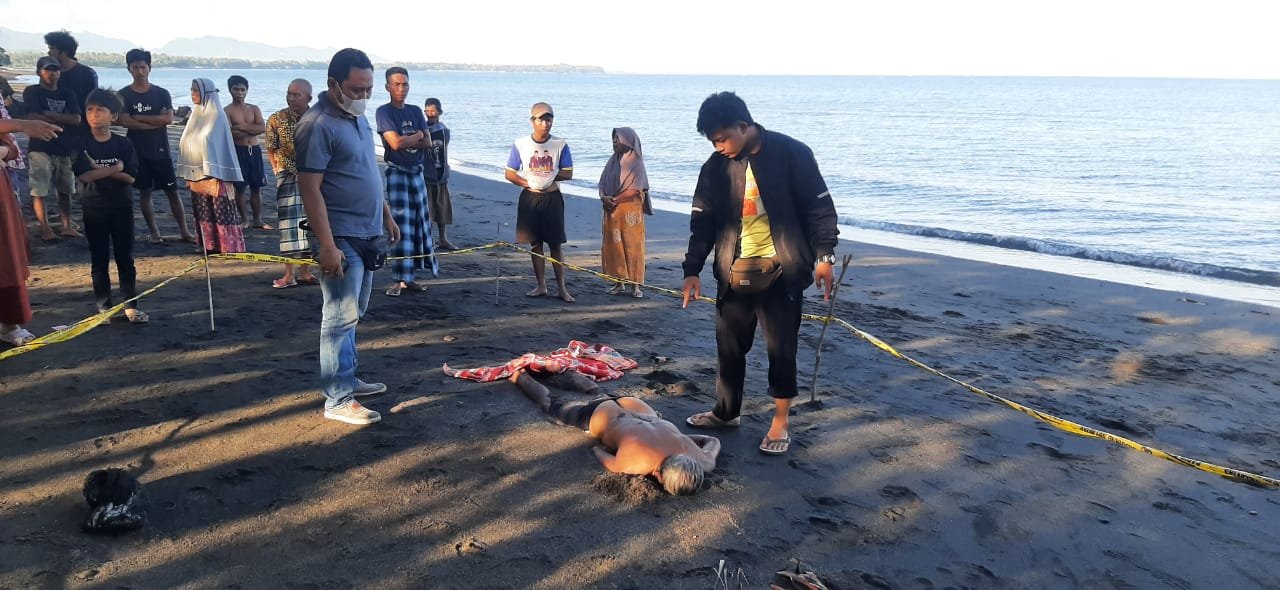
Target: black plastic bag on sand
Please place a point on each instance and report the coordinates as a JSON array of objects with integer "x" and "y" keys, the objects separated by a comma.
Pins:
[
  {"x": 796, "y": 579},
  {"x": 115, "y": 502}
]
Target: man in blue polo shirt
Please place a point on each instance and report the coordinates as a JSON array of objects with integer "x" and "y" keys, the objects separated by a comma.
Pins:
[{"x": 342, "y": 194}]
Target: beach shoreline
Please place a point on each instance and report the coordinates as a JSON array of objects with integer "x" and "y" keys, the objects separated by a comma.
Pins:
[{"x": 896, "y": 479}]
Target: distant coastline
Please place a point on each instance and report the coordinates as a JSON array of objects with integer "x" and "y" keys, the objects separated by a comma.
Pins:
[{"x": 99, "y": 59}]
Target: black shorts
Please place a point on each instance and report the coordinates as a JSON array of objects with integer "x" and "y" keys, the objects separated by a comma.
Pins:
[
  {"x": 155, "y": 174},
  {"x": 577, "y": 413},
  {"x": 540, "y": 218},
  {"x": 250, "y": 158}
]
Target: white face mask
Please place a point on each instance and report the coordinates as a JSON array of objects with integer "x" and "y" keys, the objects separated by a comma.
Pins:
[{"x": 353, "y": 106}]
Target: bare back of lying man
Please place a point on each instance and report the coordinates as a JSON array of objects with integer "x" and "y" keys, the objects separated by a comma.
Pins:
[{"x": 633, "y": 438}]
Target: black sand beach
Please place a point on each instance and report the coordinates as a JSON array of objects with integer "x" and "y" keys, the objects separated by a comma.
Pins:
[{"x": 897, "y": 479}]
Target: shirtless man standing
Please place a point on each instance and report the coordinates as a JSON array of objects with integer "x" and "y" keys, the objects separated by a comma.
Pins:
[
  {"x": 246, "y": 125},
  {"x": 633, "y": 439}
]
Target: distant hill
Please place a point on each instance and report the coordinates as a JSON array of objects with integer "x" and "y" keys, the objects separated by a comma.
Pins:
[
  {"x": 227, "y": 47},
  {"x": 223, "y": 52},
  {"x": 18, "y": 41}
]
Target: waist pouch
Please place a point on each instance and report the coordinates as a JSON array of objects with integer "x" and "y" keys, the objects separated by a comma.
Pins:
[
  {"x": 372, "y": 251},
  {"x": 751, "y": 276}
]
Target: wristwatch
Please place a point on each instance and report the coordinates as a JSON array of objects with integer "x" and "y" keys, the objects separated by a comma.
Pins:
[{"x": 827, "y": 258}]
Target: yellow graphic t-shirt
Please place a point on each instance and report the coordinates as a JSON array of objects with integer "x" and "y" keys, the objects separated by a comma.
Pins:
[{"x": 757, "y": 239}]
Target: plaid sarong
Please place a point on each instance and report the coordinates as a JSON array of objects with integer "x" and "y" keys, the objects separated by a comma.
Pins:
[
  {"x": 407, "y": 195},
  {"x": 289, "y": 212}
]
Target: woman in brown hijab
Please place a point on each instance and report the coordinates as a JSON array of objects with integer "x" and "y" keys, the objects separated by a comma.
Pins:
[{"x": 624, "y": 193}]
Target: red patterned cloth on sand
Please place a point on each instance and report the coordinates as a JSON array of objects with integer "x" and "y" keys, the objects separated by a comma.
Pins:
[{"x": 597, "y": 361}]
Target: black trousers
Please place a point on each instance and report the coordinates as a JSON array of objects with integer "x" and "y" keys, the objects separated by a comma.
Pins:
[
  {"x": 108, "y": 230},
  {"x": 777, "y": 310}
]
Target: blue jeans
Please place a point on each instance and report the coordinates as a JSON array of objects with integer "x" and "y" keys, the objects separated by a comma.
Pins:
[{"x": 345, "y": 300}]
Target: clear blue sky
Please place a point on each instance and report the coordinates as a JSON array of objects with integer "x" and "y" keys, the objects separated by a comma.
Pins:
[{"x": 1220, "y": 39}]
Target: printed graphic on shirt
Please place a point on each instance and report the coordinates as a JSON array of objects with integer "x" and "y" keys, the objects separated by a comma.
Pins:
[
  {"x": 540, "y": 163},
  {"x": 757, "y": 238}
]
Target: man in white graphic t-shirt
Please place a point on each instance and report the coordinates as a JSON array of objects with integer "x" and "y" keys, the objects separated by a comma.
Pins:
[{"x": 537, "y": 163}]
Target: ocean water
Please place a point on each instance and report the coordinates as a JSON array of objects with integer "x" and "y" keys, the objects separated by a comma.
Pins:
[{"x": 1180, "y": 175}]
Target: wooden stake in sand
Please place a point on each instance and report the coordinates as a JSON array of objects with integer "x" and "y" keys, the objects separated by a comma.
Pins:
[
  {"x": 497, "y": 263},
  {"x": 831, "y": 309},
  {"x": 208, "y": 281}
]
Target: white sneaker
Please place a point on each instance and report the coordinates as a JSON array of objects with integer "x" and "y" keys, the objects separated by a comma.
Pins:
[
  {"x": 353, "y": 413},
  {"x": 362, "y": 389}
]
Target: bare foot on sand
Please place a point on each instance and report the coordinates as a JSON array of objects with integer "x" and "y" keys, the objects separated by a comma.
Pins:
[
  {"x": 566, "y": 297},
  {"x": 189, "y": 238},
  {"x": 70, "y": 232},
  {"x": 537, "y": 292}
]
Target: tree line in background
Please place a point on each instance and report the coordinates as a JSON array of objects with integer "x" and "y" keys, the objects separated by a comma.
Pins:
[{"x": 159, "y": 60}]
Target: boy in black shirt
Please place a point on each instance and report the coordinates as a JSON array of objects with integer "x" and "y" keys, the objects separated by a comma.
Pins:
[
  {"x": 50, "y": 161},
  {"x": 148, "y": 112},
  {"x": 106, "y": 169}
]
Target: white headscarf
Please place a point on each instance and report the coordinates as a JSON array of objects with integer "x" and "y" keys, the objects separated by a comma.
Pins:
[{"x": 206, "y": 149}]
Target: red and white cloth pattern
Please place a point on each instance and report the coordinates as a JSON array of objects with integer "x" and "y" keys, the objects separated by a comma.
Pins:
[{"x": 597, "y": 361}]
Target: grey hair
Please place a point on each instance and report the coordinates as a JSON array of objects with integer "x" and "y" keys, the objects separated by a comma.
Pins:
[
  {"x": 302, "y": 82},
  {"x": 681, "y": 475}
]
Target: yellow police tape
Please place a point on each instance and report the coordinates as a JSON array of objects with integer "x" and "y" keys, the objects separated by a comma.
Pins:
[
  {"x": 252, "y": 257},
  {"x": 1059, "y": 423},
  {"x": 92, "y": 322}
]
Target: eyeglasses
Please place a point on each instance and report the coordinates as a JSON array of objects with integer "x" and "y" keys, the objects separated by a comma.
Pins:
[{"x": 546, "y": 117}]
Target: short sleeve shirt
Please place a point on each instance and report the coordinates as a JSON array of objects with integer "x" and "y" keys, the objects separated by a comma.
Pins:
[
  {"x": 539, "y": 163},
  {"x": 107, "y": 192},
  {"x": 151, "y": 144},
  {"x": 339, "y": 146},
  {"x": 282, "y": 126},
  {"x": 405, "y": 121},
  {"x": 438, "y": 163},
  {"x": 62, "y": 101}
]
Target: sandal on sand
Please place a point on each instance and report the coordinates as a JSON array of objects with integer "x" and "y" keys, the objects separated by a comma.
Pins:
[
  {"x": 709, "y": 420},
  {"x": 155, "y": 240},
  {"x": 616, "y": 289},
  {"x": 637, "y": 293},
  {"x": 393, "y": 290},
  {"x": 18, "y": 336},
  {"x": 276, "y": 284},
  {"x": 136, "y": 316},
  {"x": 775, "y": 446},
  {"x": 309, "y": 281},
  {"x": 415, "y": 287}
]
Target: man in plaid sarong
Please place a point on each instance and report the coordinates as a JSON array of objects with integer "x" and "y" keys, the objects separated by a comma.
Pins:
[
  {"x": 280, "y": 152},
  {"x": 403, "y": 129}
]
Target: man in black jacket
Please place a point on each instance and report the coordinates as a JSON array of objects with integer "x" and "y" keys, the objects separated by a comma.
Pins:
[{"x": 762, "y": 205}]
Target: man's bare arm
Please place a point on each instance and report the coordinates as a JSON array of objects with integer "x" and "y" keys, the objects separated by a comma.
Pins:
[
  {"x": 514, "y": 178},
  {"x": 565, "y": 175},
  {"x": 256, "y": 126},
  {"x": 64, "y": 119},
  {"x": 607, "y": 459},
  {"x": 401, "y": 142}
]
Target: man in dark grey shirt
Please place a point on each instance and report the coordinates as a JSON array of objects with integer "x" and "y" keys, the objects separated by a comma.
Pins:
[{"x": 343, "y": 196}]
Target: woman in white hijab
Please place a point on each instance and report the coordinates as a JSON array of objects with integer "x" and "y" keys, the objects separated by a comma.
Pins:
[
  {"x": 207, "y": 161},
  {"x": 624, "y": 193}
]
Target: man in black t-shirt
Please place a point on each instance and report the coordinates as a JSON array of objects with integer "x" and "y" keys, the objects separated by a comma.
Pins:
[
  {"x": 106, "y": 167},
  {"x": 76, "y": 77},
  {"x": 147, "y": 114},
  {"x": 50, "y": 161}
]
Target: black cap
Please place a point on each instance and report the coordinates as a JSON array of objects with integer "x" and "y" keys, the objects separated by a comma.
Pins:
[{"x": 46, "y": 63}]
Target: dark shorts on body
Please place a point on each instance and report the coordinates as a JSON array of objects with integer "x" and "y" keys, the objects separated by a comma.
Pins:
[
  {"x": 250, "y": 158},
  {"x": 155, "y": 174},
  {"x": 540, "y": 218}
]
